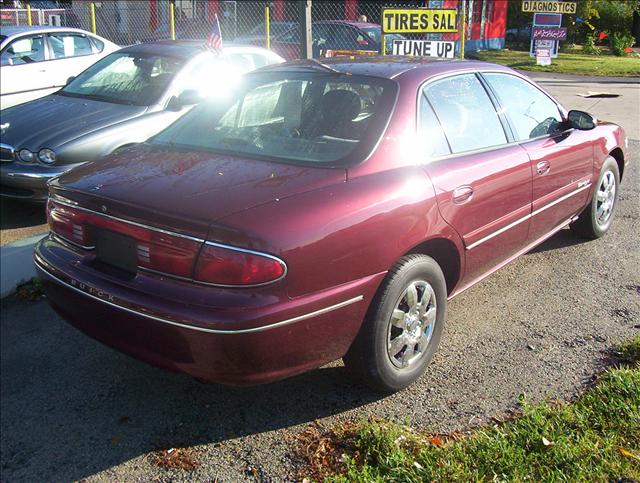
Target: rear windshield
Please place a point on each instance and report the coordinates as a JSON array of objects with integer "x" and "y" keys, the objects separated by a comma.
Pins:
[{"x": 302, "y": 118}]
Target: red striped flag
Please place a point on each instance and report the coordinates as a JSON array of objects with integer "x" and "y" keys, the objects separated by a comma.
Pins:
[{"x": 214, "y": 41}]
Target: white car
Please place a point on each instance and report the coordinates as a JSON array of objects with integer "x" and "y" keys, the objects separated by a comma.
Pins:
[{"x": 36, "y": 61}]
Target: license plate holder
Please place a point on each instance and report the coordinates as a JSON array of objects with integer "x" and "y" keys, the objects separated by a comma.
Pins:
[{"x": 117, "y": 250}]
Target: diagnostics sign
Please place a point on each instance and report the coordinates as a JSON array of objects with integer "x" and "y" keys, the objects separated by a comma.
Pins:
[
  {"x": 419, "y": 20},
  {"x": 553, "y": 6}
]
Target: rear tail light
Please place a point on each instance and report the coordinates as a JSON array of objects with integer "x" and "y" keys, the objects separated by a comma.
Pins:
[
  {"x": 168, "y": 253},
  {"x": 222, "y": 265},
  {"x": 157, "y": 250},
  {"x": 68, "y": 224}
]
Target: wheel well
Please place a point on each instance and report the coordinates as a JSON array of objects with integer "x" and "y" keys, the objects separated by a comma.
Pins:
[
  {"x": 444, "y": 252},
  {"x": 619, "y": 157}
]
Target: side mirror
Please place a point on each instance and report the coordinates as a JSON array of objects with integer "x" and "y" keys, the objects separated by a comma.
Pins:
[
  {"x": 188, "y": 97},
  {"x": 70, "y": 79},
  {"x": 581, "y": 120}
]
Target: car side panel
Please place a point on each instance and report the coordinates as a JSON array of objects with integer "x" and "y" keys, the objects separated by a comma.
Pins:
[
  {"x": 494, "y": 221},
  {"x": 561, "y": 189},
  {"x": 104, "y": 141},
  {"x": 607, "y": 138},
  {"x": 344, "y": 232}
]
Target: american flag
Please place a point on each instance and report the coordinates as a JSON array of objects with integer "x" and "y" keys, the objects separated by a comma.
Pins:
[{"x": 214, "y": 41}]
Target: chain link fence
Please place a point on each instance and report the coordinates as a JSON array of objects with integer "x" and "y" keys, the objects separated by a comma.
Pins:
[{"x": 338, "y": 25}]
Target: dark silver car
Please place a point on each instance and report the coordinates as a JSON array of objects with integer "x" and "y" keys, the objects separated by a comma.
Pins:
[{"x": 123, "y": 99}]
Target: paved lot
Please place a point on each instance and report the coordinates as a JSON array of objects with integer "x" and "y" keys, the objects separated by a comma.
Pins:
[{"x": 72, "y": 409}]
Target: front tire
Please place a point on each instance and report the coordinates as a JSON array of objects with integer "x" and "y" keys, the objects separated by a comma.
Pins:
[
  {"x": 403, "y": 327},
  {"x": 596, "y": 219}
]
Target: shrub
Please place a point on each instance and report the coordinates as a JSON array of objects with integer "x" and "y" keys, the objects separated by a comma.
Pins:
[
  {"x": 621, "y": 42},
  {"x": 589, "y": 46}
]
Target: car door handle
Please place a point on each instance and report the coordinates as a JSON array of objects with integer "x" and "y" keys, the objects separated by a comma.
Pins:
[
  {"x": 543, "y": 167},
  {"x": 462, "y": 194}
]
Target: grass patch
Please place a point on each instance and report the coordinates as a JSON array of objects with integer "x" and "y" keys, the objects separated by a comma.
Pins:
[
  {"x": 31, "y": 290},
  {"x": 596, "y": 438},
  {"x": 596, "y": 65}
]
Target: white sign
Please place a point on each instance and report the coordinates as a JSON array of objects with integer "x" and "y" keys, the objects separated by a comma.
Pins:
[
  {"x": 424, "y": 48},
  {"x": 543, "y": 56}
]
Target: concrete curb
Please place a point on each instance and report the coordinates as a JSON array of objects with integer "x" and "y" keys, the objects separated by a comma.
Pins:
[{"x": 16, "y": 263}]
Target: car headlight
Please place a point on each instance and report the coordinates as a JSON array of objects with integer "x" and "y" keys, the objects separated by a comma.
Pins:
[
  {"x": 47, "y": 156},
  {"x": 26, "y": 156}
]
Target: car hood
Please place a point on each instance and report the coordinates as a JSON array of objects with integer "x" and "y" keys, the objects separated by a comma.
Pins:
[
  {"x": 185, "y": 190},
  {"x": 54, "y": 120}
]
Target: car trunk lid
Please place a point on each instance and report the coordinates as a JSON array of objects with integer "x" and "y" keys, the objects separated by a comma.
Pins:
[{"x": 184, "y": 191}]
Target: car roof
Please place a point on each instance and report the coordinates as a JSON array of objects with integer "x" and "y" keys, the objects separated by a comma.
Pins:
[
  {"x": 360, "y": 25},
  {"x": 388, "y": 67},
  {"x": 11, "y": 31},
  {"x": 186, "y": 48}
]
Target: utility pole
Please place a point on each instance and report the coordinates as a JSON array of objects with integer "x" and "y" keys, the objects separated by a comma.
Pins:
[{"x": 306, "y": 39}]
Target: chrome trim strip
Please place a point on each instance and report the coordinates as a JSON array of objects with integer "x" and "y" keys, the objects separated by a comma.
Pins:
[
  {"x": 54, "y": 235},
  {"x": 47, "y": 175},
  {"x": 128, "y": 222},
  {"x": 582, "y": 187},
  {"x": 299, "y": 318},
  {"x": 498, "y": 232},
  {"x": 12, "y": 152},
  {"x": 561, "y": 199}
]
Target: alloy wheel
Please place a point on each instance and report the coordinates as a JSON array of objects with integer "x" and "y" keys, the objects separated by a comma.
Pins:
[
  {"x": 605, "y": 198},
  {"x": 411, "y": 324}
]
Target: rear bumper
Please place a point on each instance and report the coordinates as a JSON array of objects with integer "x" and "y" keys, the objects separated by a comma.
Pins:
[{"x": 231, "y": 344}]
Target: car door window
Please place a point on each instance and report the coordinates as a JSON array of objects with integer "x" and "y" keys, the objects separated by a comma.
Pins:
[
  {"x": 24, "y": 50},
  {"x": 289, "y": 37},
  {"x": 320, "y": 35},
  {"x": 430, "y": 134},
  {"x": 245, "y": 62},
  {"x": 531, "y": 112},
  {"x": 466, "y": 113},
  {"x": 344, "y": 37},
  {"x": 69, "y": 45}
]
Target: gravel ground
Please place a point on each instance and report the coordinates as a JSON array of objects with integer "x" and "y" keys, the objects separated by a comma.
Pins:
[
  {"x": 20, "y": 220},
  {"x": 73, "y": 409}
]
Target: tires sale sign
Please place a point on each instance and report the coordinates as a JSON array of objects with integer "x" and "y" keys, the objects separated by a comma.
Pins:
[{"x": 419, "y": 20}]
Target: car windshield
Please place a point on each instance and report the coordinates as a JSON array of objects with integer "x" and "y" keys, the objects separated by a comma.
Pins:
[
  {"x": 318, "y": 118},
  {"x": 126, "y": 78}
]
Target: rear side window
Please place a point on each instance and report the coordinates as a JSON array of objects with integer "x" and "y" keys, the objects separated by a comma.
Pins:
[
  {"x": 69, "y": 45},
  {"x": 24, "y": 50},
  {"x": 432, "y": 138},
  {"x": 531, "y": 112},
  {"x": 99, "y": 44},
  {"x": 466, "y": 113}
]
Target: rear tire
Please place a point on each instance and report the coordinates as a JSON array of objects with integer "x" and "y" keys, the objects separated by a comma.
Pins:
[
  {"x": 596, "y": 219},
  {"x": 403, "y": 327}
]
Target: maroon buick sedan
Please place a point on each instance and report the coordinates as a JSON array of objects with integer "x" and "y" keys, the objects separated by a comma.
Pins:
[{"x": 322, "y": 211}]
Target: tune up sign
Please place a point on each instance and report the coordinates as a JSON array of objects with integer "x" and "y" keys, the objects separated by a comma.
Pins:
[{"x": 425, "y": 48}]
